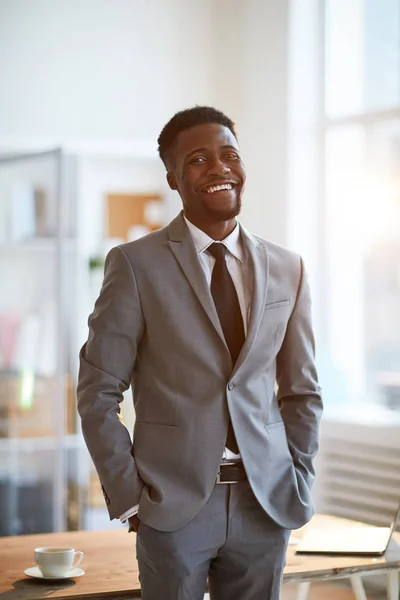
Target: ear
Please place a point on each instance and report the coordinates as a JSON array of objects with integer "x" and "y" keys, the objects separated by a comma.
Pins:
[{"x": 171, "y": 181}]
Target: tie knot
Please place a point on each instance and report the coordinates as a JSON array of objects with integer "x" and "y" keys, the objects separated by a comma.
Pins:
[{"x": 217, "y": 250}]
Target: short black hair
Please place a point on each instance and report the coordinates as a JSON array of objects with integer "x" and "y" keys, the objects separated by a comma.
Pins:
[{"x": 190, "y": 117}]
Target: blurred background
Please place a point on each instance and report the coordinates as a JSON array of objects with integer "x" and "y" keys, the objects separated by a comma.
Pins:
[{"x": 85, "y": 88}]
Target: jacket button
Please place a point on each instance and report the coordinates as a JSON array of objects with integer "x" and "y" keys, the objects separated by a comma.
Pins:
[{"x": 231, "y": 385}]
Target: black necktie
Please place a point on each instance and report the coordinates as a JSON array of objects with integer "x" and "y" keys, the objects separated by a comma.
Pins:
[{"x": 227, "y": 304}]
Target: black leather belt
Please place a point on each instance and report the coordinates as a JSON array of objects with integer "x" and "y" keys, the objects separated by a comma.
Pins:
[{"x": 231, "y": 472}]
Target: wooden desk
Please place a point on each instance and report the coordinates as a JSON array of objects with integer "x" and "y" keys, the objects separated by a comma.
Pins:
[
  {"x": 111, "y": 568},
  {"x": 305, "y": 569}
]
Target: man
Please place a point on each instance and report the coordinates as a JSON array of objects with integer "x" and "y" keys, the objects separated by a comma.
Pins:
[{"x": 211, "y": 327}]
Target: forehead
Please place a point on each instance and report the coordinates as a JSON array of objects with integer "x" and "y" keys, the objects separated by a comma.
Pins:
[{"x": 210, "y": 136}]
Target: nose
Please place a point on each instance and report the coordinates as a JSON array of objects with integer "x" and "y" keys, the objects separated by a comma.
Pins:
[{"x": 218, "y": 167}]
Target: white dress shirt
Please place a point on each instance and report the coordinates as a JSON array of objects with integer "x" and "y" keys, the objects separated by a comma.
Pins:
[{"x": 241, "y": 280}]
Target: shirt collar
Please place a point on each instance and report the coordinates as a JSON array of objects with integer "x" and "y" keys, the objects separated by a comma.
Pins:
[{"x": 202, "y": 241}]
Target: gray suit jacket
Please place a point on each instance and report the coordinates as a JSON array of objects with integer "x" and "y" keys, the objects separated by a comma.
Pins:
[{"x": 155, "y": 327}]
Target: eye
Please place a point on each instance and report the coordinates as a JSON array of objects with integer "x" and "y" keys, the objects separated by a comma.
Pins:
[
  {"x": 198, "y": 160},
  {"x": 231, "y": 156}
]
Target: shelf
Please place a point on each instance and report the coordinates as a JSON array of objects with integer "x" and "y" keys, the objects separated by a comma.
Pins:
[
  {"x": 40, "y": 244},
  {"x": 70, "y": 442},
  {"x": 83, "y": 148}
]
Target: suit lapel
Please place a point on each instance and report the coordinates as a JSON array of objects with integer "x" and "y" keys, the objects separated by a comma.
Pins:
[
  {"x": 182, "y": 246},
  {"x": 256, "y": 262}
]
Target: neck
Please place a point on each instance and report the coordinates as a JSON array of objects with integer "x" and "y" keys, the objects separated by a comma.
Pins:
[{"x": 216, "y": 231}]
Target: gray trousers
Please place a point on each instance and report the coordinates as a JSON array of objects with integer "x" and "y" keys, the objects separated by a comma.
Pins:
[{"x": 231, "y": 541}]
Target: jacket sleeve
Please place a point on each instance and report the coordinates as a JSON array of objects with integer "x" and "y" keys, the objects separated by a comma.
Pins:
[
  {"x": 106, "y": 364},
  {"x": 299, "y": 395}
]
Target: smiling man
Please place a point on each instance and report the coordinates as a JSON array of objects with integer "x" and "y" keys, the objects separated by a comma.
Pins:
[
  {"x": 205, "y": 167},
  {"x": 211, "y": 326}
]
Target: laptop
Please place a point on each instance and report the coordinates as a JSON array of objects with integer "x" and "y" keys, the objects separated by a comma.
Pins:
[{"x": 356, "y": 541}]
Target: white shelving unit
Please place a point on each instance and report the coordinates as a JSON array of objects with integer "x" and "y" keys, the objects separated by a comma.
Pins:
[
  {"x": 55, "y": 268},
  {"x": 36, "y": 381}
]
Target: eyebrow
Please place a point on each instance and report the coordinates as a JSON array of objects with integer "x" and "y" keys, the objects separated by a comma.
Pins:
[{"x": 196, "y": 150}]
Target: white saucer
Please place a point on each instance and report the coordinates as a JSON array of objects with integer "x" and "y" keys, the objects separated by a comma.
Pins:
[{"x": 35, "y": 572}]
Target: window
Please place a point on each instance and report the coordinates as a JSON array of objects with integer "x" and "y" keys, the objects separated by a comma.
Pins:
[
  {"x": 362, "y": 58},
  {"x": 362, "y": 202}
]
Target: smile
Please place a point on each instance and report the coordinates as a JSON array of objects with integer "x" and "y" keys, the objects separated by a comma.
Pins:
[{"x": 218, "y": 188}]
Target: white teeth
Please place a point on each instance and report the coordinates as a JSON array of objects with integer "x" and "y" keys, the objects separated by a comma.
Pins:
[{"x": 219, "y": 188}]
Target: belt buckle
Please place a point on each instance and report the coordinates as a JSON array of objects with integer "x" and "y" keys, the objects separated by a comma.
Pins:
[{"x": 218, "y": 479}]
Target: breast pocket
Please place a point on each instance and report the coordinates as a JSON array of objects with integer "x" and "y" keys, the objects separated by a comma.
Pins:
[{"x": 273, "y": 326}]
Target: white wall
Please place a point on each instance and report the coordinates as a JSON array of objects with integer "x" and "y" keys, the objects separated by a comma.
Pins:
[
  {"x": 118, "y": 69},
  {"x": 101, "y": 68},
  {"x": 251, "y": 79}
]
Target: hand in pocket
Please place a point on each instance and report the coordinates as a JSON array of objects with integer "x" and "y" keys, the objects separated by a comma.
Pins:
[{"x": 134, "y": 523}]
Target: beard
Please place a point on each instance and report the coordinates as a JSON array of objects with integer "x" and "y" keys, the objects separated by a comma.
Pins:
[{"x": 218, "y": 214}]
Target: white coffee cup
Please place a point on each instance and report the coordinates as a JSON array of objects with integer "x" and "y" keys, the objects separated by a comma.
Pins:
[{"x": 56, "y": 561}]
